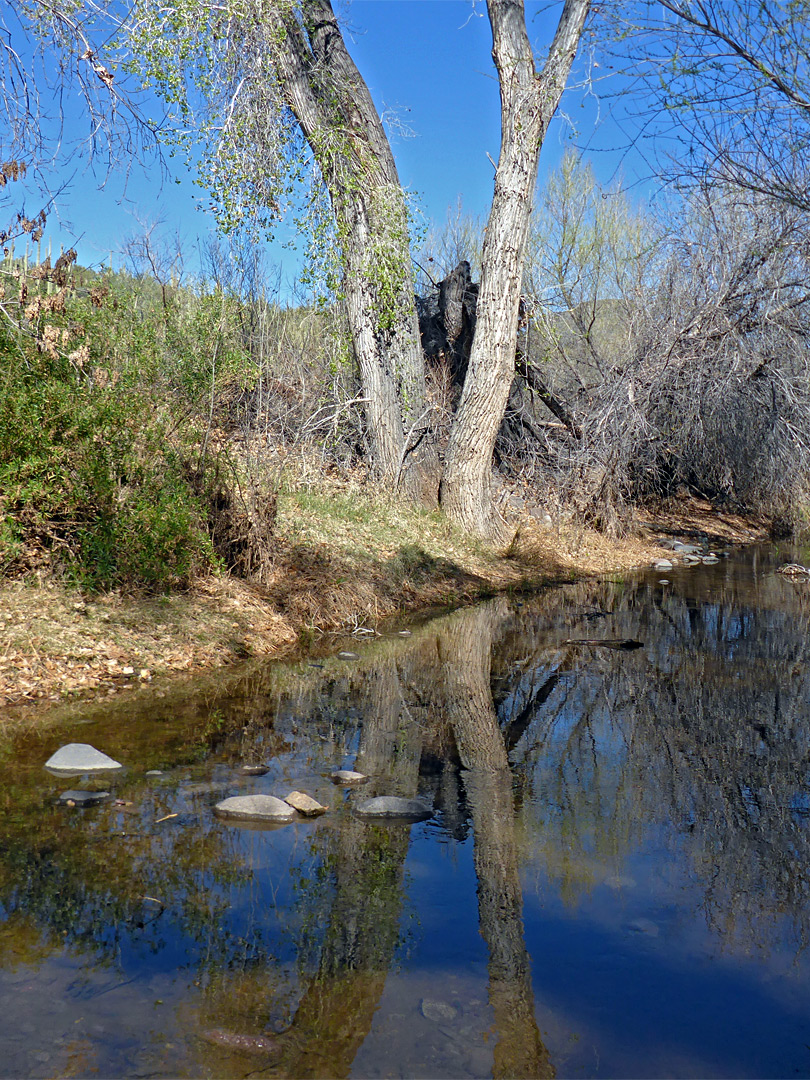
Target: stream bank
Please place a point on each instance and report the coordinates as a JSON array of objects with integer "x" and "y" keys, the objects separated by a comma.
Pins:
[{"x": 58, "y": 646}]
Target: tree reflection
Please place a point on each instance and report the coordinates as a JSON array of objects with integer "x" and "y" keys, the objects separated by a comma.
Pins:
[
  {"x": 464, "y": 646},
  {"x": 705, "y": 732}
]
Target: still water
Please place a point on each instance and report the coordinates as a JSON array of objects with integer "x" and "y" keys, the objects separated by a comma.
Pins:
[{"x": 614, "y": 881}]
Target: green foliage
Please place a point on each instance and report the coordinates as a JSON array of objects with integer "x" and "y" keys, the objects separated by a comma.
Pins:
[{"x": 99, "y": 446}]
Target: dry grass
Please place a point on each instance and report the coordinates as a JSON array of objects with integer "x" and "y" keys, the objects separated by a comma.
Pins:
[{"x": 344, "y": 559}]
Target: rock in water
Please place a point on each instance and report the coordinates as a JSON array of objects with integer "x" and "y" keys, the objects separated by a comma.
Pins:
[
  {"x": 247, "y": 1044},
  {"x": 390, "y": 806},
  {"x": 255, "y": 808},
  {"x": 348, "y": 778},
  {"x": 305, "y": 804},
  {"x": 77, "y": 797},
  {"x": 77, "y": 758},
  {"x": 255, "y": 770}
]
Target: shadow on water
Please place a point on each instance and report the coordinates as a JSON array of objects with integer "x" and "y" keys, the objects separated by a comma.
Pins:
[{"x": 614, "y": 881}]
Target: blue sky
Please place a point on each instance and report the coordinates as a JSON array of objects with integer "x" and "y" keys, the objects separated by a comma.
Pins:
[{"x": 429, "y": 69}]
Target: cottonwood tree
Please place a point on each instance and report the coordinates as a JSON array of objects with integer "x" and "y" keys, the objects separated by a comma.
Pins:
[
  {"x": 529, "y": 99},
  {"x": 270, "y": 91},
  {"x": 277, "y": 71},
  {"x": 268, "y": 88}
]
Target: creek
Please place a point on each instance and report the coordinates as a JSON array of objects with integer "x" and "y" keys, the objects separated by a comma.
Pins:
[{"x": 614, "y": 881}]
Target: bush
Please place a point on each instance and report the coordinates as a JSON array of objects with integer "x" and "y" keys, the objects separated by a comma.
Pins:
[{"x": 93, "y": 480}]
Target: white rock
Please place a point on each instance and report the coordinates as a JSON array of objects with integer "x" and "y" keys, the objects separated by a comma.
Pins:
[
  {"x": 255, "y": 808},
  {"x": 76, "y": 757}
]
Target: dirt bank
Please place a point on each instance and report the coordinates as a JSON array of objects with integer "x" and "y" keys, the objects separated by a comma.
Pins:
[{"x": 341, "y": 571}]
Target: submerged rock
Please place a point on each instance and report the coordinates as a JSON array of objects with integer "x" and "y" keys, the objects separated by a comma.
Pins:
[
  {"x": 620, "y": 644},
  {"x": 391, "y": 806},
  {"x": 255, "y": 808},
  {"x": 79, "y": 797},
  {"x": 349, "y": 778},
  {"x": 643, "y": 926},
  {"x": 305, "y": 804},
  {"x": 620, "y": 881},
  {"x": 248, "y": 1044},
  {"x": 74, "y": 758},
  {"x": 441, "y": 1012}
]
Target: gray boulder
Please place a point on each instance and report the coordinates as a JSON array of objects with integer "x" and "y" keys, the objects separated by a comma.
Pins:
[
  {"x": 390, "y": 806},
  {"x": 76, "y": 758},
  {"x": 255, "y": 808}
]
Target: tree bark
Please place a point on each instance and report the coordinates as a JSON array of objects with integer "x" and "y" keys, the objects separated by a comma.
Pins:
[
  {"x": 528, "y": 102},
  {"x": 337, "y": 116}
]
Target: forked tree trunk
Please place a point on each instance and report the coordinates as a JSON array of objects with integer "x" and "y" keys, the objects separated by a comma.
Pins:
[
  {"x": 332, "y": 104},
  {"x": 528, "y": 102}
]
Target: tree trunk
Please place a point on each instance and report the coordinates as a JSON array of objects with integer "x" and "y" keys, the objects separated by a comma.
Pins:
[
  {"x": 528, "y": 102},
  {"x": 332, "y": 104}
]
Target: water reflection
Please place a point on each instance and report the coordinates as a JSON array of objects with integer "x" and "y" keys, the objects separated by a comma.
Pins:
[{"x": 603, "y": 820}]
